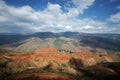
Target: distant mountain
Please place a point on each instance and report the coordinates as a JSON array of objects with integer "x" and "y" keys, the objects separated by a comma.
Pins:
[
  {"x": 43, "y": 35},
  {"x": 71, "y": 41},
  {"x": 7, "y": 39},
  {"x": 101, "y": 42},
  {"x": 34, "y": 43}
]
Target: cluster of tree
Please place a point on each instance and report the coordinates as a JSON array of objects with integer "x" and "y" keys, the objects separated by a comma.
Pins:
[{"x": 63, "y": 50}]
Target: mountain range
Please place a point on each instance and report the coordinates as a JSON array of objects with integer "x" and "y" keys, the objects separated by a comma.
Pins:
[{"x": 97, "y": 43}]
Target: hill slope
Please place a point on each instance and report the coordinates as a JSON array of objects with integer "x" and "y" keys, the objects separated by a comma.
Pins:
[
  {"x": 51, "y": 64},
  {"x": 71, "y": 41}
]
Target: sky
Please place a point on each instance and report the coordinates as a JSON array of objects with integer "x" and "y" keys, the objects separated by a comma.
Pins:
[{"x": 30, "y": 16}]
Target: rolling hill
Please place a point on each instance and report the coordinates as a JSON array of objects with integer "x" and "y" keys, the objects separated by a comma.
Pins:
[
  {"x": 71, "y": 41},
  {"x": 52, "y": 64}
]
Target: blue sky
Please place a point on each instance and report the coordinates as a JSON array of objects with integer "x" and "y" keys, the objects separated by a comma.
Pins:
[{"x": 29, "y": 16}]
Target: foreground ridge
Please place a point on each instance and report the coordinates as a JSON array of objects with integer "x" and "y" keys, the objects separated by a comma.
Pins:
[{"x": 54, "y": 63}]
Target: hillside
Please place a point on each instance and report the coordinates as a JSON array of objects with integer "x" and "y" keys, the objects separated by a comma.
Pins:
[
  {"x": 51, "y": 64},
  {"x": 59, "y": 56},
  {"x": 69, "y": 41}
]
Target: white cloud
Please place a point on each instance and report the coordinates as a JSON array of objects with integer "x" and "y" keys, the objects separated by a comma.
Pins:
[
  {"x": 68, "y": 27},
  {"x": 55, "y": 7},
  {"x": 26, "y": 20},
  {"x": 73, "y": 12},
  {"x": 115, "y": 18},
  {"x": 83, "y": 4},
  {"x": 88, "y": 27}
]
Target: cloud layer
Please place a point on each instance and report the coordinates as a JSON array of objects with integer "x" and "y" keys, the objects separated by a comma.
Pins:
[
  {"x": 83, "y": 4},
  {"x": 115, "y": 18},
  {"x": 26, "y": 20}
]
